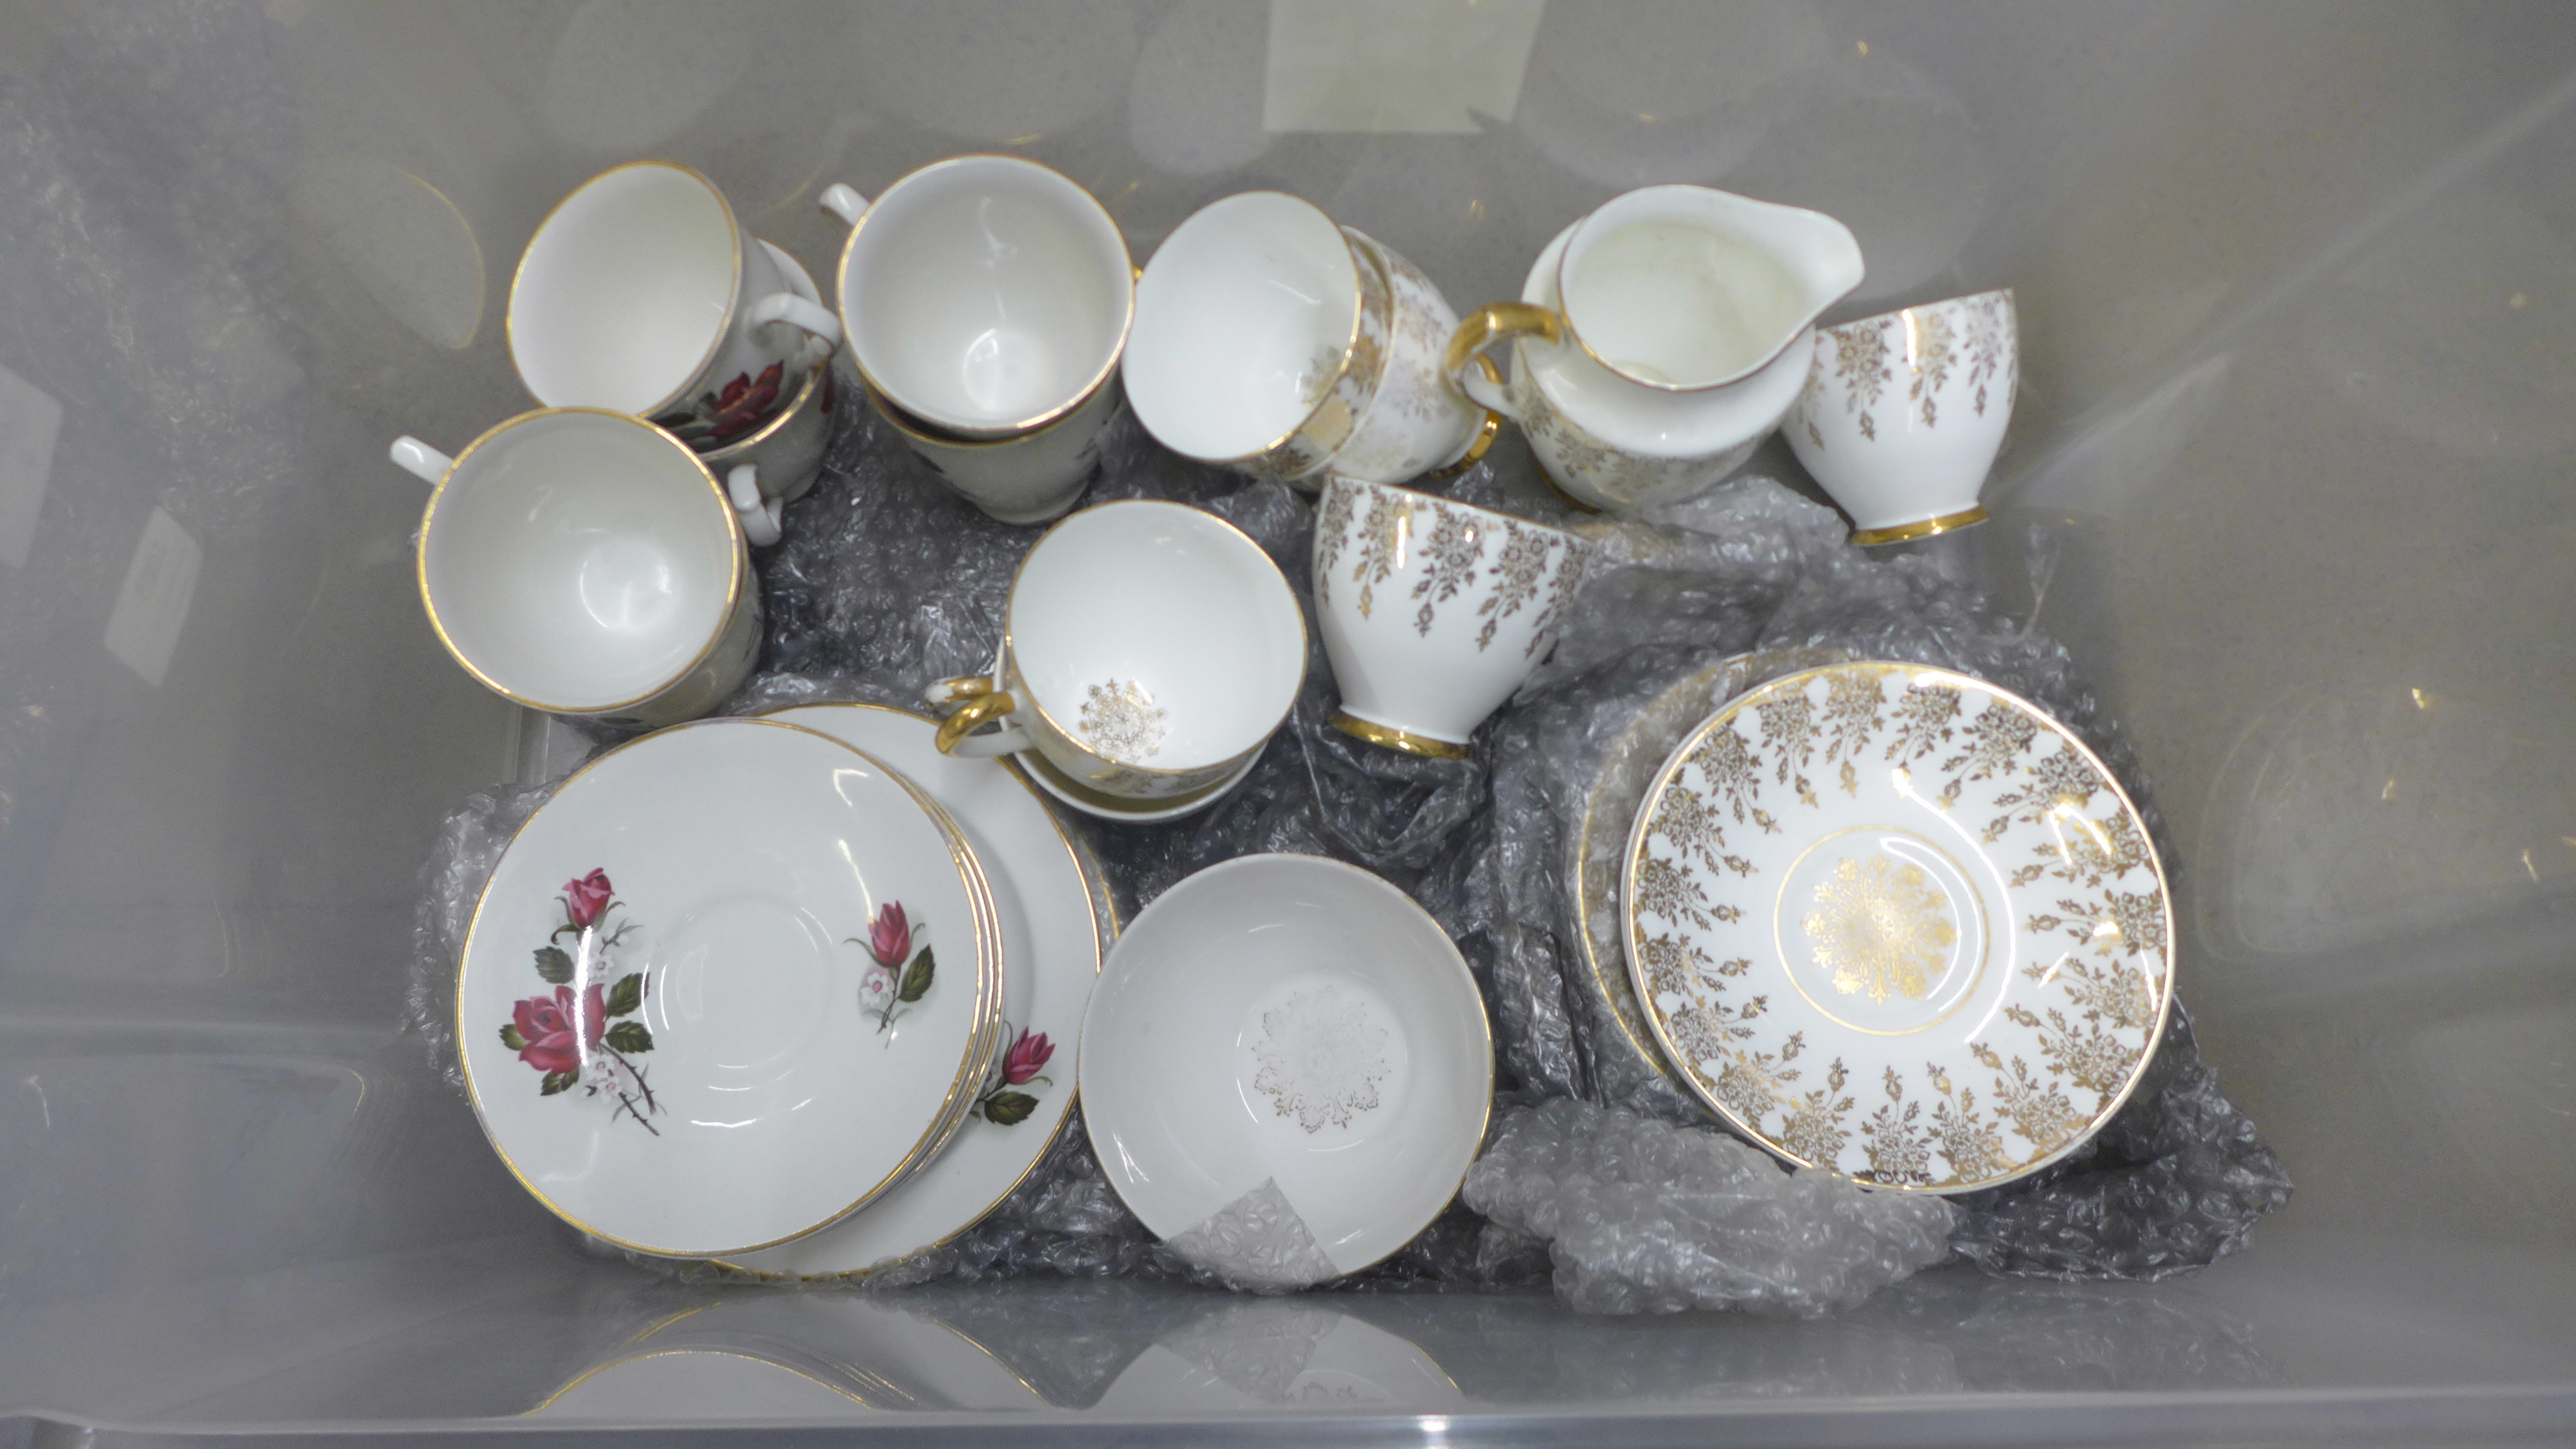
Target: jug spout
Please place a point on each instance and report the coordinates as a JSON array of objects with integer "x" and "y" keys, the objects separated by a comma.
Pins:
[{"x": 1687, "y": 288}]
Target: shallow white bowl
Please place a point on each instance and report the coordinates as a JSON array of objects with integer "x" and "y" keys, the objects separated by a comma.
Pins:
[{"x": 1292, "y": 1021}]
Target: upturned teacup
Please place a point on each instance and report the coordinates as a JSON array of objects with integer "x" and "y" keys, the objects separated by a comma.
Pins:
[
  {"x": 1904, "y": 412},
  {"x": 1433, "y": 611}
]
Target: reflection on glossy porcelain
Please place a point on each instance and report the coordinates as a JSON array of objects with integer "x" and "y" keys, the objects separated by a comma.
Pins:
[
  {"x": 1295, "y": 1033},
  {"x": 1903, "y": 413},
  {"x": 1053, "y": 939},
  {"x": 1896, "y": 923},
  {"x": 1101, "y": 805},
  {"x": 1433, "y": 612},
  {"x": 775, "y": 1100},
  {"x": 644, "y": 624},
  {"x": 1150, "y": 650},
  {"x": 770, "y": 1356},
  {"x": 1281, "y": 1354}
]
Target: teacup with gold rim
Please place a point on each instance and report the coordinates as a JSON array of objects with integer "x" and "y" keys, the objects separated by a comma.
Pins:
[
  {"x": 584, "y": 562},
  {"x": 641, "y": 293},
  {"x": 987, "y": 300},
  {"x": 1273, "y": 341},
  {"x": 1433, "y": 612},
  {"x": 1904, "y": 412},
  {"x": 1150, "y": 649}
]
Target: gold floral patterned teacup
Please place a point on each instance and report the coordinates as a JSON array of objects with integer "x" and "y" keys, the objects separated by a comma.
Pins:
[
  {"x": 1149, "y": 650},
  {"x": 1904, "y": 412},
  {"x": 1433, "y": 612},
  {"x": 1273, "y": 341},
  {"x": 1659, "y": 340}
]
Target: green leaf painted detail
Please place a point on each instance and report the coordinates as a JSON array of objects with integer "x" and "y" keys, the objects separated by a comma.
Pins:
[
  {"x": 554, "y": 965},
  {"x": 627, "y": 994},
  {"x": 630, "y": 1036},
  {"x": 559, "y": 1081},
  {"x": 1005, "y": 1108},
  {"x": 510, "y": 1037},
  {"x": 916, "y": 977}
]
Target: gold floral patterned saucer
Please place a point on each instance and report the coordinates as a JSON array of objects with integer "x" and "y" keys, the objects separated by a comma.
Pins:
[
  {"x": 1600, "y": 839},
  {"x": 1898, "y": 923}
]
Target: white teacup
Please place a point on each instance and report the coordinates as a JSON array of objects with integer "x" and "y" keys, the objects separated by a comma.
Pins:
[
  {"x": 1149, "y": 651},
  {"x": 1272, "y": 341},
  {"x": 988, "y": 300},
  {"x": 1433, "y": 611},
  {"x": 1026, "y": 479},
  {"x": 584, "y": 562},
  {"x": 1659, "y": 339},
  {"x": 641, "y": 293},
  {"x": 1903, "y": 413}
]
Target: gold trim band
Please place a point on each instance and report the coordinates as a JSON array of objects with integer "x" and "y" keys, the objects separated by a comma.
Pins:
[
  {"x": 1494, "y": 323},
  {"x": 1396, "y": 739},
  {"x": 971, "y": 716},
  {"x": 1486, "y": 432},
  {"x": 1900, "y": 533}
]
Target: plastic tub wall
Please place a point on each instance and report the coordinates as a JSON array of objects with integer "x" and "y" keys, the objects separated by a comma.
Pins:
[{"x": 2291, "y": 472}]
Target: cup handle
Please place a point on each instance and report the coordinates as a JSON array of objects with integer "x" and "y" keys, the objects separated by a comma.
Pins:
[
  {"x": 947, "y": 694},
  {"x": 957, "y": 733},
  {"x": 844, "y": 202},
  {"x": 421, "y": 460},
  {"x": 759, "y": 516},
  {"x": 796, "y": 312},
  {"x": 1495, "y": 322}
]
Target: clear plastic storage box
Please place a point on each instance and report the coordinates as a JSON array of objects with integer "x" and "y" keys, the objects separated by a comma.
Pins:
[{"x": 2293, "y": 474}]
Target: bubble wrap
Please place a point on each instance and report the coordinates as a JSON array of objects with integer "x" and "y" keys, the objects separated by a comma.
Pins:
[
  {"x": 887, "y": 582},
  {"x": 1644, "y": 1217}
]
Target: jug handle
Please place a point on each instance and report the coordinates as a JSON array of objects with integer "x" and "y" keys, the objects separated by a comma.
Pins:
[
  {"x": 421, "y": 460},
  {"x": 1492, "y": 323},
  {"x": 844, "y": 202}
]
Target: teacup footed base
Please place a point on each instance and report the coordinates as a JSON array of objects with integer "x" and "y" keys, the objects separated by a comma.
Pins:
[
  {"x": 1393, "y": 738},
  {"x": 1902, "y": 532},
  {"x": 1101, "y": 805}
]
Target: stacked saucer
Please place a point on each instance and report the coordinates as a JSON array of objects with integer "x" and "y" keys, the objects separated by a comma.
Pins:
[{"x": 742, "y": 982}]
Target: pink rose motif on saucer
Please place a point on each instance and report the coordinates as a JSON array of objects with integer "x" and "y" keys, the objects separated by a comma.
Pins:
[
  {"x": 572, "y": 1038},
  {"x": 896, "y": 976},
  {"x": 1018, "y": 1067}
]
